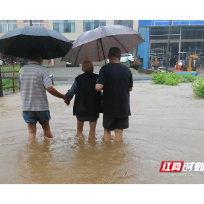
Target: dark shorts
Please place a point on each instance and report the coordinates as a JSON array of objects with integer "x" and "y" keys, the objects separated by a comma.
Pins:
[
  {"x": 33, "y": 117},
  {"x": 115, "y": 123},
  {"x": 91, "y": 118}
]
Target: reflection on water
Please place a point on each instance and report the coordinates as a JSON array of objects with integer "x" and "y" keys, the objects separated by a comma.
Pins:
[
  {"x": 72, "y": 161},
  {"x": 34, "y": 162}
]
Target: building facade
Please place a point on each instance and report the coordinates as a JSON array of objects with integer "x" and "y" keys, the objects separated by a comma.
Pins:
[
  {"x": 71, "y": 29},
  {"x": 186, "y": 38}
]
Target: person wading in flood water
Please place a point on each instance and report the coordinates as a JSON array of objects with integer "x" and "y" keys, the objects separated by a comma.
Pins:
[
  {"x": 116, "y": 81},
  {"x": 87, "y": 99},
  {"x": 33, "y": 82}
]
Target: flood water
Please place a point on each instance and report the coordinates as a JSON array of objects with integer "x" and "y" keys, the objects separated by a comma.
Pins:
[{"x": 158, "y": 132}]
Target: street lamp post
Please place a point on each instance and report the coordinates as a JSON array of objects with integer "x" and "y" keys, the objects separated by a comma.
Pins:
[{"x": 168, "y": 47}]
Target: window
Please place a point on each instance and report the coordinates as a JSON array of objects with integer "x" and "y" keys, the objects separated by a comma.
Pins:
[
  {"x": 92, "y": 24},
  {"x": 64, "y": 26},
  {"x": 158, "y": 33},
  {"x": 162, "y": 32},
  {"x": 192, "y": 32},
  {"x": 128, "y": 23},
  {"x": 6, "y": 25},
  {"x": 35, "y": 23}
]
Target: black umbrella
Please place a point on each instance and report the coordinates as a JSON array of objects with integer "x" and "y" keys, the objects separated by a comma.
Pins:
[{"x": 19, "y": 41}]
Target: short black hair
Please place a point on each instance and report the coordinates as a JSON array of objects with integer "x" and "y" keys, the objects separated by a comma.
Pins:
[
  {"x": 34, "y": 53},
  {"x": 114, "y": 52}
]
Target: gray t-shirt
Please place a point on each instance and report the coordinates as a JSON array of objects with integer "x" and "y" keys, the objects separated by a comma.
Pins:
[{"x": 33, "y": 81}]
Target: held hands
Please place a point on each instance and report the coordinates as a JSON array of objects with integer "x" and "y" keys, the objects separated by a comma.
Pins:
[{"x": 66, "y": 100}]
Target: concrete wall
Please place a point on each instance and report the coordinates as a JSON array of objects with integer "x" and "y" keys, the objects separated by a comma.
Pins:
[
  {"x": 135, "y": 25},
  {"x": 59, "y": 63},
  {"x": 109, "y": 22},
  {"x": 46, "y": 24},
  {"x": 20, "y": 24}
]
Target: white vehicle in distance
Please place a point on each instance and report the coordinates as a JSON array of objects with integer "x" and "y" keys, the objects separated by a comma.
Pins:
[
  {"x": 124, "y": 58},
  {"x": 68, "y": 64}
]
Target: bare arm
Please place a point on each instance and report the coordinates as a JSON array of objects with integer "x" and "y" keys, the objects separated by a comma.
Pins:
[
  {"x": 99, "y": 87},
  {"x": 55, "y": 93}
]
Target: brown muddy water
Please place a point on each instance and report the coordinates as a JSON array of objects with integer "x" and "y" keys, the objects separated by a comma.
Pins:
[{"x": 167, "y": 124}]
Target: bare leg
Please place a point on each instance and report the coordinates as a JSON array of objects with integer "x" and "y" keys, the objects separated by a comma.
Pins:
[
  {"x": 118, "y": 135},
  {"x": 80, "y": 126},
  {"x": 46, "y": 130},
  {"x": 92, "y": 131},
  {"x": 32, "y": 131},
  {"x": 107, "y": 135}
]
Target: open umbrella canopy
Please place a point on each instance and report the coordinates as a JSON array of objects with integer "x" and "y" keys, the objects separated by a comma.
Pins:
[
  {"x": 19, "y": 41},
  {"x": 94, "y": 44}
]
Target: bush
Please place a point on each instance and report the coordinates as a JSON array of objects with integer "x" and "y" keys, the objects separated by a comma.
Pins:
[
  {"x": 172, "y": 79},
  {"x": 187, "y": 78},
  {"x": 159, "y": 78},
  {"x": 6, "y": 83},
  {"x": 198, "y": 87}
]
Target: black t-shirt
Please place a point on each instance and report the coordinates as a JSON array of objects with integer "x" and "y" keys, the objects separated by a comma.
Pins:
[{"x": 116, "y": 79}]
